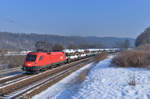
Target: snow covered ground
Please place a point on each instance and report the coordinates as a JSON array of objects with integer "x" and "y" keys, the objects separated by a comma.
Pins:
[
  {"x": 104, "y": 82},
  {"x": 54, "y": 91}
]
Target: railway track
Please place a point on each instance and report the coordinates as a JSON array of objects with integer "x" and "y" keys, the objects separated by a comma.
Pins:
[
  {"x": 12, "y": 79},
  {"x": 20, "y": 87},
  {"x": 7, "y": 72}
]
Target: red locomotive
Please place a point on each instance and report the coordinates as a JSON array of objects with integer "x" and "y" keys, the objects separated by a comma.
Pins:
[{"x": 36, "y": 61}]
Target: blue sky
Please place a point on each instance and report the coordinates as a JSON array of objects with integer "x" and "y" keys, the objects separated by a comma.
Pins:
[{"x": 118, "y": 18}]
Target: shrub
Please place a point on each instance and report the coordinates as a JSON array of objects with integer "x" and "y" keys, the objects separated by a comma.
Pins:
[
  {"x": 143, "y": 47},
  {"x": 43, "y": 46},
  {"x": 12, "y": 61},
  {"x": 132, "y": 81},
  {"x": 15, "y": 61},
  {"x": 57, "y": 47},
  {"x": 132, "y": 58}
]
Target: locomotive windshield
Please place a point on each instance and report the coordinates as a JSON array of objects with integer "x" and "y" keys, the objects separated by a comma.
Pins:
[{"x": 31, "y": 58}]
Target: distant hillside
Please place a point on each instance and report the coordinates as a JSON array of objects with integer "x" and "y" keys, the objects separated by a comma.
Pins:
[
  {"x": 27, "y": 41},
  {"x": 109, "y": 42},
  {"x": 143, "y": 38}
]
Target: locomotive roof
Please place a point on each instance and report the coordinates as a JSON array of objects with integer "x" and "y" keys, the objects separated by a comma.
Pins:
[{"x": 45, "y": 53}]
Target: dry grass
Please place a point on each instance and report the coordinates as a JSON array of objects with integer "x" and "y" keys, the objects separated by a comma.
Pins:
[
  {"x": 101, "y": 56},
  {"x": 139, "y": 57},
  {"x": 145, "y": 47},
  {"x": 132, "y": 59},
  {"x": 132, "y": 81},
  {"x": 82, "y": 76},
  {"x": 12, "y": 61},
  {"x": 77, "y": 81}
]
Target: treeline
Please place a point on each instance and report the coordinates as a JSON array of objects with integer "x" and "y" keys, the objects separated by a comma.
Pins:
[
  {"x": 24, "y": 41},
  {"x": 48, "y": 47}
]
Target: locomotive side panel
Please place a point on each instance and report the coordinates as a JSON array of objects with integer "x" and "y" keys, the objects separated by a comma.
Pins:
[
  {"x": 57, "y": 57},
  {"x": 44, "y": 60}
]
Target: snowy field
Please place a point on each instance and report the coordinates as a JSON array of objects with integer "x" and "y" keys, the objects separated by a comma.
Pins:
[{"x": 103, "y": 82}]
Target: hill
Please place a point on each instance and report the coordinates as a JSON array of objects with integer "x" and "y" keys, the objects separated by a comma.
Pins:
[
  {"x": 27, "y": 41},
  {"x": 143, "y": 38}
]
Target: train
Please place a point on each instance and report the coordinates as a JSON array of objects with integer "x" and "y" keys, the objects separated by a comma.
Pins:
[{"x": 39, "y": 61}]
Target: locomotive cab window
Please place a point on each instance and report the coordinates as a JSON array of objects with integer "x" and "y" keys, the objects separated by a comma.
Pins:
[
  {"x": 31, "y": 58},
  {"x": 40, "y": 58}
]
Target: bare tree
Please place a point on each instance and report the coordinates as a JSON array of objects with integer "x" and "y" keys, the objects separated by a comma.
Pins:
[
  {"x": 57, "y": 47},
  {"x": 83, "y": 46},
  {"x": 86, "y": 45},
  {"x": 72, "y": 46},
  {"x": 126, "y": 44},
  {"x": 123, "y": 44},
  {"x": 43, "y": 46}
]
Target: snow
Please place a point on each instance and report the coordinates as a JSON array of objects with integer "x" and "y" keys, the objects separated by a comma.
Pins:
[
  {"x": 53, "y": 91},
  {"x": 104, "y": 82},
  {"x": 73, "y": 57},
  {"x": 112, "y": 83},
  {"x": 69, "y": 51},
  {"x": 83, "y": 55}
]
